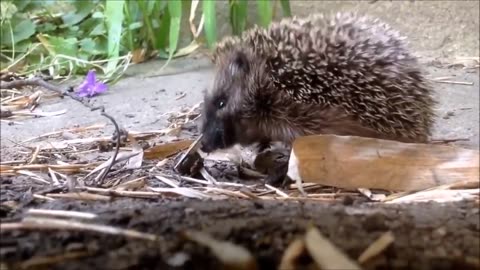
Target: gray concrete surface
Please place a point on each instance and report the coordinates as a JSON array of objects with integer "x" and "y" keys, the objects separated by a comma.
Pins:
[{"x": 141, "y": 99}]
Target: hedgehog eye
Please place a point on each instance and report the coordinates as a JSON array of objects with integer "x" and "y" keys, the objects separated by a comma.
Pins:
[{"x": 221, "y": 103}]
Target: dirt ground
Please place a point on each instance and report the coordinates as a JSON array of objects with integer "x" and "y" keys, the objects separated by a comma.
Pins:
[{"x": 427, "y": 235}]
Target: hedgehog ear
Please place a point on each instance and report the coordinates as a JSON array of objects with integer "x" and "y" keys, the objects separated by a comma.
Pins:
[{"x": 239, "y": 64}]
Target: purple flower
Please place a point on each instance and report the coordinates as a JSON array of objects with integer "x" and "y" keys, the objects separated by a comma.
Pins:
[{"x": 90, "y": 87}]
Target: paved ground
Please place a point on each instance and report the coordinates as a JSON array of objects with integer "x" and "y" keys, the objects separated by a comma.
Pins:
[{"x": 140, "y": 100}]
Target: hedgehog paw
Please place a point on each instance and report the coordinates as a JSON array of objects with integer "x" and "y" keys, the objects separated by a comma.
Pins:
[
  {"x": 123, "y": 133},
  {"x": 277, "y": 176}
]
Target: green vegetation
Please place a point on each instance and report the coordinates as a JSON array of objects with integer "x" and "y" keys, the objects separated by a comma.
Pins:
[{"x": 63, "y": 38}]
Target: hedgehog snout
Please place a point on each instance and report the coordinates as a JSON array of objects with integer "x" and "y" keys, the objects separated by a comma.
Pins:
[{"x": 213, "y": 138}]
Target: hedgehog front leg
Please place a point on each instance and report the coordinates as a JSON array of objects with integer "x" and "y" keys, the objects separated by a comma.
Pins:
[
  {"x": 275, "y": 164},
  {"x": 277, "y": 175}
]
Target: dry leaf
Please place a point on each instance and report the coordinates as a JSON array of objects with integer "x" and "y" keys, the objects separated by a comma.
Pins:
[
  {"x": 325, "y": 254},
  {"x": 120, "y": 157},
  {"x": 187, "y": 50},
  {"x": 232, "y": 256},
  {"x": 166, "y": 150},
  {"x": 193, "y": 8},
  {"x": 33, "y": 176},
  {"x": 135, "y": 161},
  {"x": 356, "y": 162},
  {"x": 132, "y": 184},
  {"x": 138, "y": 55}
]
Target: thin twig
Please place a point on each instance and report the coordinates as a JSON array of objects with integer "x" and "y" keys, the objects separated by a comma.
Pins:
[
  {"x": 449, "y": 140},
  {"x": 37, "y": 262},
  {"x": 117, "y": 146},
  {"x": 80, "y": 196},
  {"x": 61, "y": 213},
  {"x": 277, "y": 191},
  {"x": 36, "y": 81},
  {"x": 455, "y": 82}
]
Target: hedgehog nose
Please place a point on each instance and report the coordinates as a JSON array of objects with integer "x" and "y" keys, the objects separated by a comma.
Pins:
[
  {"x": 206, "y": 148},
  {"x": 212, "y": 140}
]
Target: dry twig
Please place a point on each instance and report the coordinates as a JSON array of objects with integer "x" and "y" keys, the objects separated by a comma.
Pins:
[{"x": 59, "y": 224}]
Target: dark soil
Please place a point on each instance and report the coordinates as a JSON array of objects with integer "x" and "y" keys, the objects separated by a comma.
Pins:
[{"x": 427, "y": 235}]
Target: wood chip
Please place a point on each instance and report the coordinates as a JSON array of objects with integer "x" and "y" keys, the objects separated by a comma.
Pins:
[
  {"x": 377, "y": 247},
  {"x": 325, "y": 254},
  {"x": 291, "y": 254},
  {"x": 352, "y": 162},
  {"x": 233, "y": 257}
]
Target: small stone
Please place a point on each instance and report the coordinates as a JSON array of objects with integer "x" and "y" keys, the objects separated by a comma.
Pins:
[
  {"x": 375, "y": 222},
  {"x": 449, "y": 114},
  {"x": 440, "y": 231}
]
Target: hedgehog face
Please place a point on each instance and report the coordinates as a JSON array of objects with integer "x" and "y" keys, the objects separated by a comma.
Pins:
[{"x": 222, "y": 108}]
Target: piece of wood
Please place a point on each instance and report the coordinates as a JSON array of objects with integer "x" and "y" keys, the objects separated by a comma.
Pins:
[
  {"x": 357, "y": 162},
  {"x": 325, "y": 254}
]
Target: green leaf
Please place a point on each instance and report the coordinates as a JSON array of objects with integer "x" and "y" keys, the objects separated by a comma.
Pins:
[
  {"x": 22, "y": 29},
  {"x": 7, "y": 10},
  {"x": 238, "y": 15},
  {"x": 210, "y": 24},
  {"x": 150, "y": 7},
  {"x": 22, "y": 4},
  {"x": 97, "y": 15},
  {"x": 264, "y": 8},
  {"x": 88, "y": 45},
  {"x": 82, "y": 10},
  {"x": 46, "y": 27},
  {"x": 133, "y": 11},
  {"x": 101, "y": 45},
  {"x": 129, "y": 21},
  {"x": 175, "y": 10},
  {"x": 135, "y": 25},
  {"x": 90, "y": 24},
  {"x": 287, "y": 12},
  {"x": 23, "y": 46},
  {"x": 114, "y": 15},
  {"x": 59, "y": 45},
  {"x": 162, "y": 34},
  {"x": 144, "y": 6},
  {"x": 99, "y": 30}
]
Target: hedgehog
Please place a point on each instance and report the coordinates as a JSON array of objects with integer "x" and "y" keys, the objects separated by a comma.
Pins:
[{"x": 341, "y": 74}]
